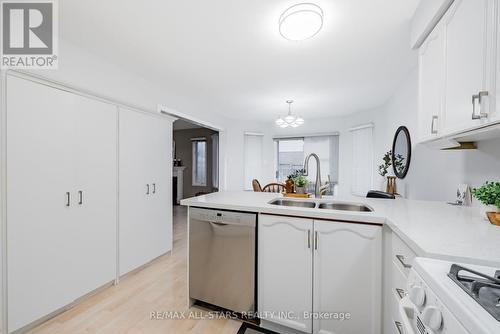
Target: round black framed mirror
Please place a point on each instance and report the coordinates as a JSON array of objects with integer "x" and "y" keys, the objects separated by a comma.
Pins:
[{"x": 401, "y": 152}]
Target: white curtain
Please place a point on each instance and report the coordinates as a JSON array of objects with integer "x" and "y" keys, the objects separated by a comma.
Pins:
[
  {"x": 253, "y": 159},
  {"x": 362, "y": 160}
]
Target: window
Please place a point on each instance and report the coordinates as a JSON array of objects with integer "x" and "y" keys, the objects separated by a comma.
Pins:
[
  {"x": 199, "y": 161},
  {"x": 253, "y": 159},
  {"x": 291, "y": 153},
  {"x": 362, "y": 160}
]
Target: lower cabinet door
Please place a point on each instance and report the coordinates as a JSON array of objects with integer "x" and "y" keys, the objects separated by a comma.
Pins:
[
  {"x": 347, "y": 278},
  {"x": 285, "y": 271}
]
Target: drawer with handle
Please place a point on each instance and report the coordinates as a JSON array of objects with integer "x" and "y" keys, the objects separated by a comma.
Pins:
[
  {"x": 402, "y": 255},
  {"x": 398, "y": 327},
  {"x": 398, "y": 286}
]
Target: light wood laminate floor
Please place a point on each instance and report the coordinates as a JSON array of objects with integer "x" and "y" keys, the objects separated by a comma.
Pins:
[{"x": 127, "y": 307}]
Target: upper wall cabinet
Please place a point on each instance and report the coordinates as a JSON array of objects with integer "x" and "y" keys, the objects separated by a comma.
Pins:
[
  {"x": 431, "y": 59},
  {"x": 457, "y": 68},
  {"x": 467, "y": 29}
]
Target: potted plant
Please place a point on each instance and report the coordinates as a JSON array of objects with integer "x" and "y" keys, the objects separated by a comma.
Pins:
[
  {"x": 300, "y": 181},
  {"x": 489, "y": 195},
  {"x": 383, "y": 169}
]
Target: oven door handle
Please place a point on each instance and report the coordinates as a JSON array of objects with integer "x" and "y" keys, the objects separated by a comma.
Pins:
[{"x": 406, "y": 311}]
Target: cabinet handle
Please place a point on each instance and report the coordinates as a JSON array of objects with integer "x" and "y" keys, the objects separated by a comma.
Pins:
[
  {"x": 479, "y": 98},
  {"x": 401, "y": 293},
  {"x": 80, "y": 197},
  {"x": 433, "y": 122},
  {"x": 474, "y": 98},
  {"x": 68, "y": 198},
  {"x": 316, "y": 240},
  {"x": 147, "y": 191},
  {"x": 154, "y": 188},
  {"x": 308, "y": 238},
  {"x": 401, "y": 259},
  {"x": 399, "y": 327}
]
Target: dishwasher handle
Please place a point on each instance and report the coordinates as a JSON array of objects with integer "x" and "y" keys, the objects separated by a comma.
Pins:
[
  {"x": 218, "y": 224},
  {"x": 222, "y": 218}
]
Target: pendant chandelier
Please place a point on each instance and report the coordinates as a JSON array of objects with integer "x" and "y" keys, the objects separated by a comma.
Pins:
[{"x": 289, "y": 120}]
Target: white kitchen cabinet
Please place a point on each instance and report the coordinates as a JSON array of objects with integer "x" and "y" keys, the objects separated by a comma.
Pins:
[
  {"x": 348, "y": 277},
  {"x": 431, "y": 71},
  {"x": 468, "y": 26},
  {"x": 285, "y": 270},
  {"x": 320, "y": 267},
  {"x": 145, "y": 228},
  {"x": 459, "y": 75},
  {"x": 57, "y": 249},
  {"x": 398, "y": 258}
]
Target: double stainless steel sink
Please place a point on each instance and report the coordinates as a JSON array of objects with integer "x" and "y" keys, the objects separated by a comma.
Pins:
[{"x": 331, "y": 205}]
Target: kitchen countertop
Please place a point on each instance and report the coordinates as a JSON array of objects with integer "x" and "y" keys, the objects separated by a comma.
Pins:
[{"x": 431, "y": 229}]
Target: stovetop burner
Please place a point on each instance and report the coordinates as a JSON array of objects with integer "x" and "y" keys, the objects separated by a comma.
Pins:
[{"x": 484, "y": 289}]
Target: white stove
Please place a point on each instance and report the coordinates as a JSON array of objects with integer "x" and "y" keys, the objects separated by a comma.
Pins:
[{"x": 456, "y": 302}]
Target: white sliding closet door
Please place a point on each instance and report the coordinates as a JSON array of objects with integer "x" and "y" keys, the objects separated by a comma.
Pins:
[
  {"x": 58, "y": 249},
  {"x": 95, "y": 194},
  {"x": 145, "y": 228},
  {"x": 40, "y": 138},
  {"x": 161, "y": 201}
]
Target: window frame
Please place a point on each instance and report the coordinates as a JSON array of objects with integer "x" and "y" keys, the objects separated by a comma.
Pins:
[{"x": 194, "y": 148}]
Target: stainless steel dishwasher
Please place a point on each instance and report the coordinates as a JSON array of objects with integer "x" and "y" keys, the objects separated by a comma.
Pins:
[{"x": 222, "y": 258}]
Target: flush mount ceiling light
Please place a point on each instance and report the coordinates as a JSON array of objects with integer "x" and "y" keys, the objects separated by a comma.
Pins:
[
  {"x": 289, "y": 120},
  {"x": 301, "y": 21}
]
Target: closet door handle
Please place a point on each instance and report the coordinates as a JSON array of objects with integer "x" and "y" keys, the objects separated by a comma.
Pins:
[
  {"x": 80, "y": 197},
  {"x": 316, "y": 240},
  {"x": 147, "y": 191},
  {"x": 309, "y": 239},
  {"x": 68, "y": 198},
  {"x": 154, "y": 188}
]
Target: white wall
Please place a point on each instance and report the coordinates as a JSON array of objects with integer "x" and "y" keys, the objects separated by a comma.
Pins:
[
  {"x": 433, "y": 175},
  {"x": 342, "y": 126},
  {"x": 89, "y": 72}
]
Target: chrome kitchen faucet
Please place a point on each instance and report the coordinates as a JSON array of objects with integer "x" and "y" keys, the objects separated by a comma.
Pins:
[{"x": 318, "y": 189}]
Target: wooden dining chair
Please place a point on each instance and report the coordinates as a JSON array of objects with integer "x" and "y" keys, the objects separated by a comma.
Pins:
[
  {"x": 256, "y": 186},
  {"x": 274, "y": 188}
]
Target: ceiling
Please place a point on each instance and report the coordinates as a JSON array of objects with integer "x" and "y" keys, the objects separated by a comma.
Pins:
[
  {"x": 181, "y": 124},
  {"x": 229, "y": 57}
]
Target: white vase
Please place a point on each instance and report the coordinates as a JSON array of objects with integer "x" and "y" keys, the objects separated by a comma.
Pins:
[{"x": 488, "y": 208}]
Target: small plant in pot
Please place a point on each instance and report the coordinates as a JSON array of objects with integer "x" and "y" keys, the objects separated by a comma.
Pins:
[
  {"x": 489, "y": 195},
  {"x": 383, "y": 169},
  {"x": 300, "y": 181}
]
